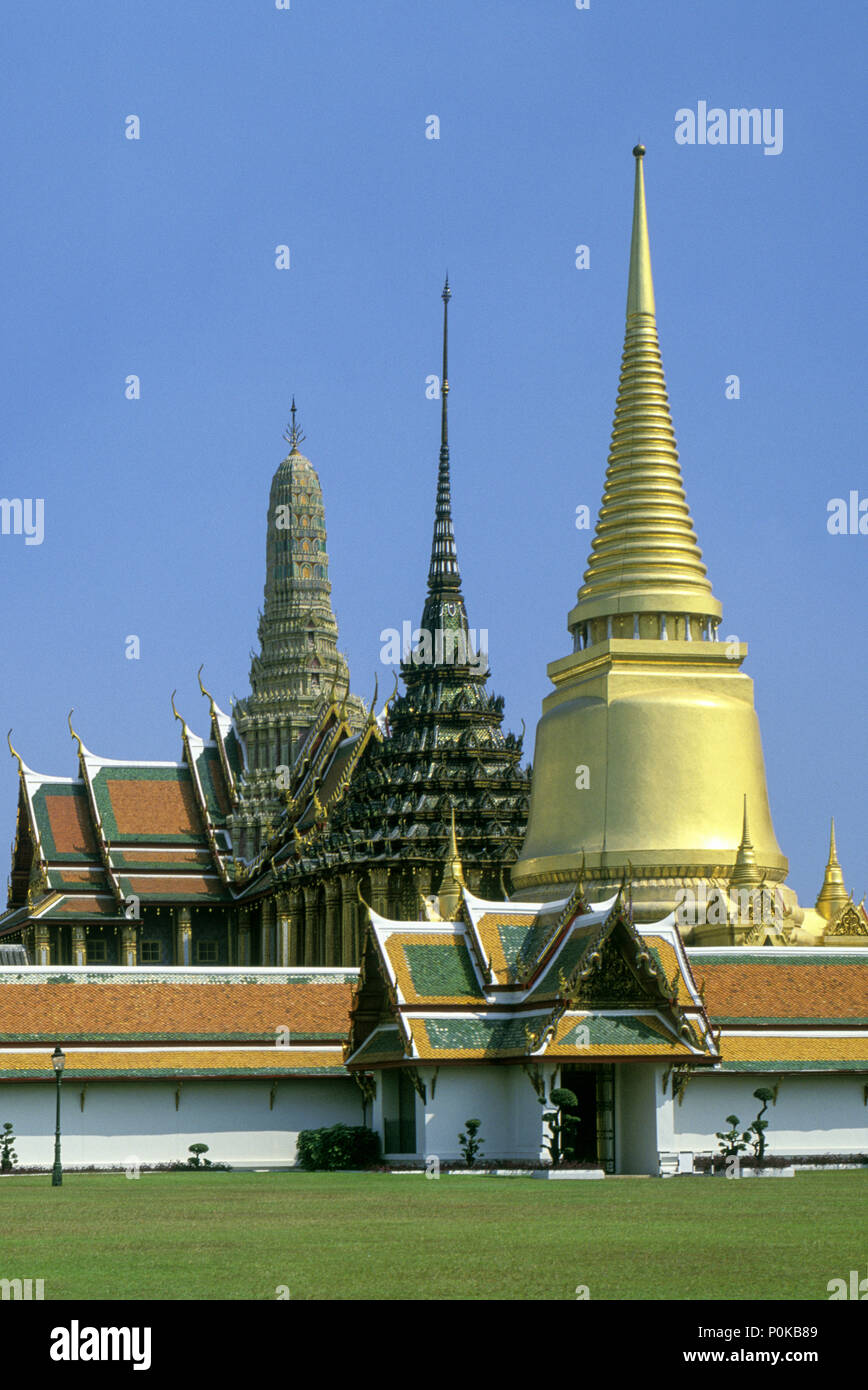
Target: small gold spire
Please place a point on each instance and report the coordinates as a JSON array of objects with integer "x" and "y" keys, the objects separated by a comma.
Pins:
[
  {"x": 746, "y": 872},
  {"x": 833, "y": 896},
  {"x": 450, "y": 894}
]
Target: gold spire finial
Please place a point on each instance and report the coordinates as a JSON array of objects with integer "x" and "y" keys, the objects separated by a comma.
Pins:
[
  {"x": 292, "y": 434},
  {"x": 833, "y": 896},
  {"x": 640, "y": 285},
  {"x": 746, "y": 872},
  {"x": 644, "y": 558},
  {"x": 450, "y": 893}
]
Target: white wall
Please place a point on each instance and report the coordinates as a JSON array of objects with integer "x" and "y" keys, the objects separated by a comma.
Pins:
[
  {"x": 501, "y": 1097},
  {"x": 815, "y": 1113},
  {"x": 122, "y": 1119},
  {"x": 637, "y": 1092}
]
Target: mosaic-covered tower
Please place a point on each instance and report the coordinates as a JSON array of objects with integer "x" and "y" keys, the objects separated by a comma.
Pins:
[{"x": 298, "y": 666}]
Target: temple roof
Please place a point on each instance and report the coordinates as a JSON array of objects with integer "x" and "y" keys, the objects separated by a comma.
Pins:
[
  {"x": 153, "y": 830},
  {"x": 570, "y": 980},
  {"x": 141, "y": 1004}
]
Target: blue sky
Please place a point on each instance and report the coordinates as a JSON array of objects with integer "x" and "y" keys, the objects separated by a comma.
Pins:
[{"x": 306, "y": 127}]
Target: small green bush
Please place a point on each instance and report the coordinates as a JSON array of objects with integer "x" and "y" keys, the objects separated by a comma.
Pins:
[
  {"x": 470, "y": 1145},
  {"x": 8, "y": 1156},
  {"x": 337, "y": 1146}
]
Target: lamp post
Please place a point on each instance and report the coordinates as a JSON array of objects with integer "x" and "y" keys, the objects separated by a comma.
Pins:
[{"x": 57, "y": 1061}]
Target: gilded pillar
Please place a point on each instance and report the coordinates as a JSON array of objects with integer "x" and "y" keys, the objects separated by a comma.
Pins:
[
  {"x": 79, "y": 945},
  {"x": 284, "y": 924},
  {"x": 42, "y": 944},
  {"x": 183, "y": 936},
  {"x": 129, "y": 944}
]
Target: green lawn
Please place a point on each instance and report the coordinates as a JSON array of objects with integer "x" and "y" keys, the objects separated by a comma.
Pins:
[{"x": 344, "y": 1236}]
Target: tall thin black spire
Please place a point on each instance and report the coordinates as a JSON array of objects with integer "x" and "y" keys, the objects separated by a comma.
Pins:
[{"x": 443, "y": 573}]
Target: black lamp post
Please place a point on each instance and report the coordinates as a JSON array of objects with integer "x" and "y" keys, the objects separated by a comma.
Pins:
[{"x": 57, "y": 1061}]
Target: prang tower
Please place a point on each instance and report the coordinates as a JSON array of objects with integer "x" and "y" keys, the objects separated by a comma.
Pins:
[
  {"x": 298, "y": 666},
  {"x": 648, "y": 754}
]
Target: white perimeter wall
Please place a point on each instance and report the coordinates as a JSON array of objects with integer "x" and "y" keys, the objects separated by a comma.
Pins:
[
  {"x": 637, "y": 1091},
  {"x": 815, "y": 1113},
  {"x": 127, "y": 1120},
  {"x": 501, "y": 1097}
]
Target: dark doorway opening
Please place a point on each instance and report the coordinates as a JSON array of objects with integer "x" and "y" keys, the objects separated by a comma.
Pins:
[{"x": 583, "y": 1085}]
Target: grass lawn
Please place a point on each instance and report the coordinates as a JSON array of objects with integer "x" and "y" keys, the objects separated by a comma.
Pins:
[{"x": 344, "y": 1236}]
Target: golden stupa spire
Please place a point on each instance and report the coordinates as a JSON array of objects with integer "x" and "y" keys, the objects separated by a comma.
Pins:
[
  {"x": 450, "y": 893},
  {"x": 746, "y": 872},
  {"x": 833, "y": 896},
  {"x": 645, "y": 565}
]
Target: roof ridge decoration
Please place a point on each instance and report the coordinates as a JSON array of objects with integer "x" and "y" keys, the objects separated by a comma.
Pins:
[
  {"x": 100, "y": 836},
  {"x": 22, "y": 766},
  {"x": 199, "y": 794},
  {"x": 645, "y": 555},
  {"x": 216, "y": 713}
]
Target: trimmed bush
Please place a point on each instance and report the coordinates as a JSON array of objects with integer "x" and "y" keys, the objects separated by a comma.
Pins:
[{"x": 338, "y": 1146}]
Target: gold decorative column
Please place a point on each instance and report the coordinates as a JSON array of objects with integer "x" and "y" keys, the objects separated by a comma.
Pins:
[
  {"x": 79, "y": 945},
  {"x": 129, "y": 944},
  {"x": 183, "y": 936},
  {"x": 42, "y": 944},
  {"x": 284, "y": 927}
]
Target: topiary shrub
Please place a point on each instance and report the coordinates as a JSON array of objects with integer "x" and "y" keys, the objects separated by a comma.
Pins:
[
  {"x": 336, "y": 1147},
  {"x": 562, "y": 1127},
  {"x": 196, "y": 1160},
  {"x": 470, "y": 1145},
  {"x": 8, "y": 1156}
]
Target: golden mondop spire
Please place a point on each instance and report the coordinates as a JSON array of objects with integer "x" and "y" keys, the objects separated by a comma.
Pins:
[{"x": 648, "y": 750}]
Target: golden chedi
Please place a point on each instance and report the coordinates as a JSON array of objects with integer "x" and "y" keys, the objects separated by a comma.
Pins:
[{"x": 648, "y": 750}]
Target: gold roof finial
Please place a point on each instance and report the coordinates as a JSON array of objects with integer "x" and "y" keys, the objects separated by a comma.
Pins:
[
  {"x": 833, "y": 896},
  {"x": 73, "y": 734},
  {"x": 182, "y": 721},
  {"x": 292, "y": 434},
  {"x": 15, "y": 755},
  {"x": 206, "y": 693}
]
